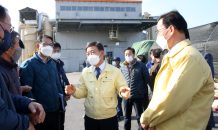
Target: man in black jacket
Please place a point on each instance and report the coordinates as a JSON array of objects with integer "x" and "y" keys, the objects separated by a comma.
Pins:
[{"x": 137, "y": 77}]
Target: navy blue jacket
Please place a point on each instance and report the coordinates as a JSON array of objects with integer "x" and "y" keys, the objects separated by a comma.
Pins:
[
  {"x": 138, "y": 80},
  {"x": 10, "y": 76},
  {"x": 209, "y": 58},
  {"x": 62, "y": 75},
  {"x": 10, "y": 106},
  {"x": 43, "y": 78}
]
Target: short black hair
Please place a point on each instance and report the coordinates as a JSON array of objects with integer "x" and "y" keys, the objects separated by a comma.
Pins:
[
  {"x": 142, "y": 58},
  {"x": 130, "y": 48},
  {"x": 164, "y": 52},
  {"x": 175, "y": 19},
  {"x": 3, "y": 11},
  {"x": 151, "y": 51},
  {"x": 39, "y": 39},
  {"x": 21, "y": 44},
  {"x": 97, "y": 44},
  {"x": 14, "y": 34},
  {"x": 157, "y": 53},
  {"x": 56, "y": 44}
]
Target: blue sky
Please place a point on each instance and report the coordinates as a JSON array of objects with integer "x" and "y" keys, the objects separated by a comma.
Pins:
[{"x": 196, "y": 12}]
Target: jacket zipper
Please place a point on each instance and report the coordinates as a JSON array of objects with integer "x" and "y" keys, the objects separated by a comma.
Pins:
[{"x": 139, "y": 89}]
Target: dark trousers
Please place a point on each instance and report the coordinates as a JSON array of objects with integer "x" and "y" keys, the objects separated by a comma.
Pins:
[
  {"x": 104, "y": 124},
  {"x": 146, "y": 102},
  {"x": 51, "y": 122},
  {"x": 119, "y": 106},
  {"x": 62, "y": 120},
  {"x": 127, "y": 105}
]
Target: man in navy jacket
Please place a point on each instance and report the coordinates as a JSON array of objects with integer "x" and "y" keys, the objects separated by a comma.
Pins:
[
  {"x": 40, "y": 73},
  {"x": 209, "y": 58},
  {"x": 13, "y": 108},
  {"x": 62, "y": 77}
]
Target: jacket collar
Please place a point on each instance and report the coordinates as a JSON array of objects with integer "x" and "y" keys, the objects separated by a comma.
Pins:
[
  {"x": 59, "y": 62},
  {"x": 7, "y": 64},
  {"x": 179, "y": 47},
  {"x": 107, "y": 68},
  {"x": 156, "y": 63},
  {"x": 39, "y": 59},
  {"x": 133, "y": 63}
]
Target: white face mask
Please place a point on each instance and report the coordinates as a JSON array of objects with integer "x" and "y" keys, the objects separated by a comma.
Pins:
[
  {"x": 47, "y": 51},
  {"x": 129, "y": 59},
  {"x": 162, "y": 42},
  {"x": 56, "y": 56},
  {"x": 93, "y": 59}
]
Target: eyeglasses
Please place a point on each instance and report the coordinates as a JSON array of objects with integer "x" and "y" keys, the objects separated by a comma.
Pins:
[
  {"x": 57, "y": 51},
  {"x": 159, "y": 30},
  {"x": 47, "y": 44},
  {"x": 11, "y": 27}
]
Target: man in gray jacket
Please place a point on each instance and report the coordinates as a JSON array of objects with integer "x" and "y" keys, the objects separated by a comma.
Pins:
[{"x": 137, "y": 77}]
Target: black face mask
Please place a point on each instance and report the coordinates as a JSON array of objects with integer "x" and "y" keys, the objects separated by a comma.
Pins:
[{"x": 6, "y": 41}]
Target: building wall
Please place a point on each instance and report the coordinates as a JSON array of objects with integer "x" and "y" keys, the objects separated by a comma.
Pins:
[
  {"x": 73, "y": 46},
  {"x": 97, "y": 14}
]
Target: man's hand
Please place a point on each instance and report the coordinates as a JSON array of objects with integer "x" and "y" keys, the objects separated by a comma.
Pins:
[
  {"x": 25, "y": 88},
  {"x": 67, "y": 97},
  {"x": 38, "y": 113},
  {"x": 70, "y": 89},
  {"x": 125, "y": 92},
  {"x": 31, "y": 127},
  {"x": 151, "y": 128},
  {"x": 145, "y": 127}
]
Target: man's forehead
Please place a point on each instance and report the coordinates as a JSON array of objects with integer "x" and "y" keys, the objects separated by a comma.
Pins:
[
  {"x": 92, "y": 48},
  {"x": 160, "y": 24},
  {"x": 44, "y": 39},
  {"x": 56, "y": 48},
  {"x": 128, "y": 51}
]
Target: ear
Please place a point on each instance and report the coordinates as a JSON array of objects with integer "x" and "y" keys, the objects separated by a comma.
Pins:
[
  {"x": 172, "y": 30},
  {"x": 37, "y": 46},
  {"x": 102, "y": 52}
]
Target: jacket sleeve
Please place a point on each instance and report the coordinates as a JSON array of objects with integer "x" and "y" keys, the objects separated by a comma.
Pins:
[
  {"x": 27, "y": 77},
  {"x": 10, "y": 120},
  {"x": 18, "y": 100},
  {"x": 81, "y": 91},
  {"x": 58, "y": 84},
  {"x": 178, "y": 94},
  {"x": 146, "y": 75},
  {"x": 120, "y": 83},
  {"x": 66, "y": 79},
  {"x": 209, "y": 59},
  {"x": 153, "y": 74}
]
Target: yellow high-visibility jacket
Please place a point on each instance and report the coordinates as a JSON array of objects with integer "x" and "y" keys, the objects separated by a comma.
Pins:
[
  {"x": 183, "y": 92},
  {"x": 101, "y": 95}
]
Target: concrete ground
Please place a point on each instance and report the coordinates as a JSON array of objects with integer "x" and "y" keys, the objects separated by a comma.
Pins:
[{"x": 75, "y": 110}]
